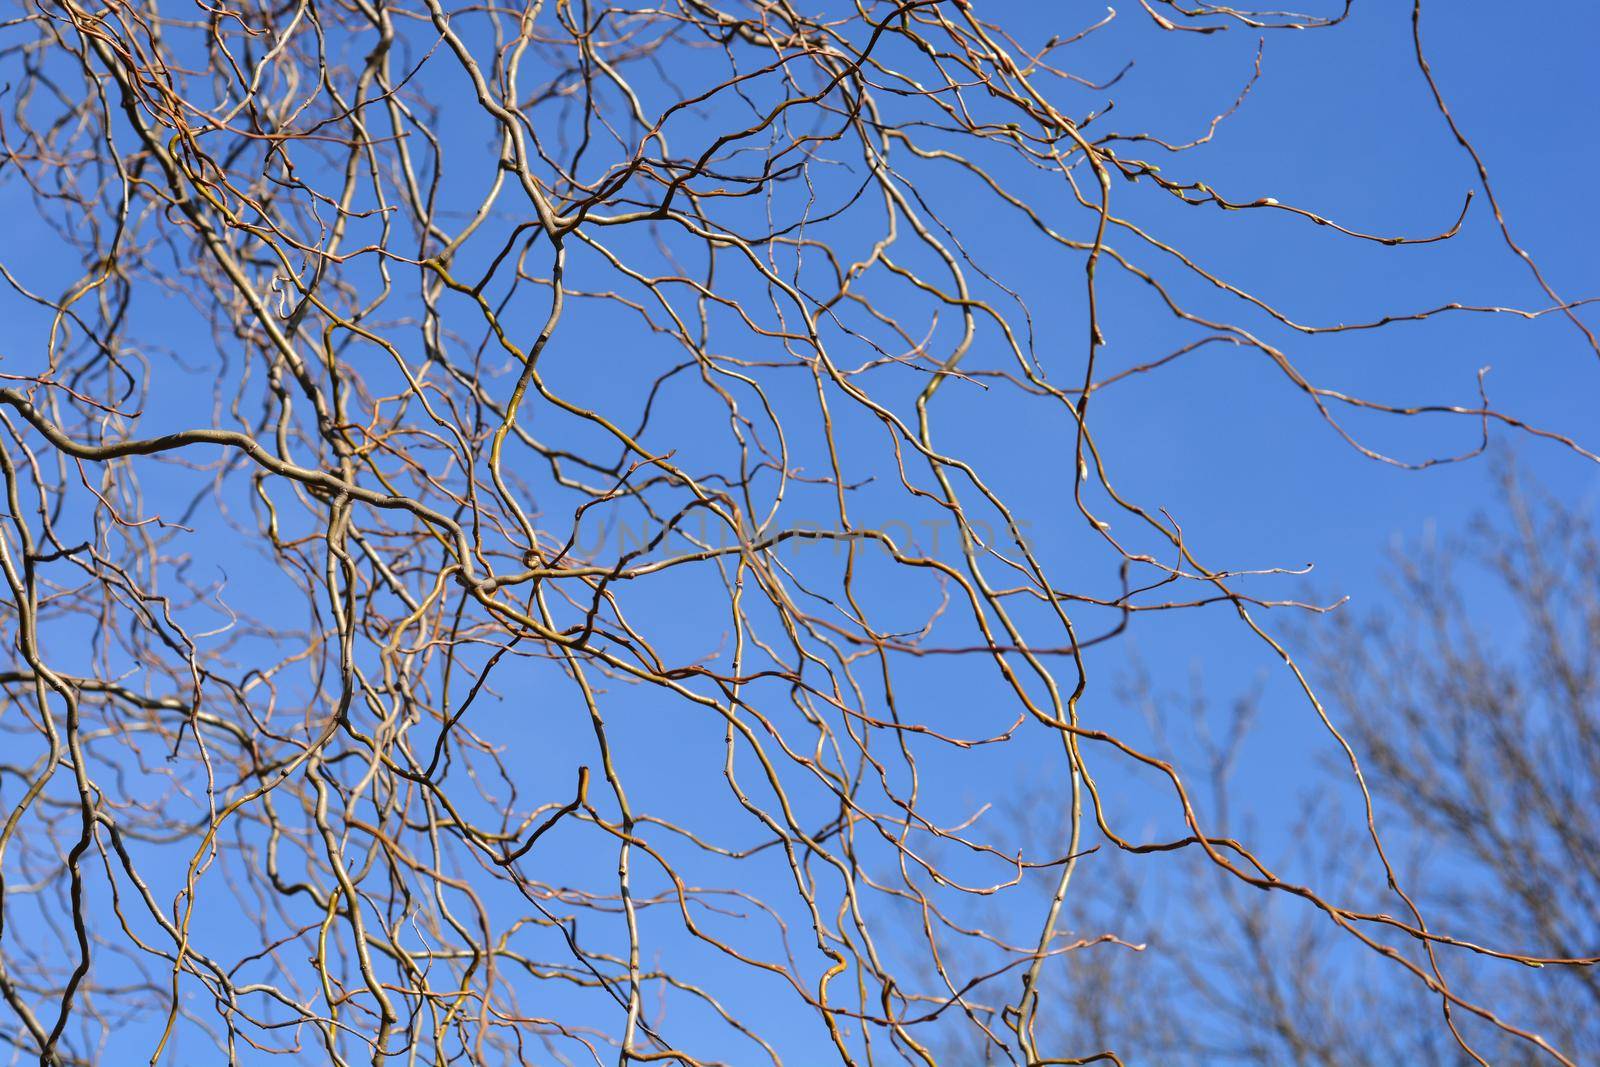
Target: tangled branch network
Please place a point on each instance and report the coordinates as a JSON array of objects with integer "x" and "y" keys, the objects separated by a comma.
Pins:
[{"x": 469, "y": 480}]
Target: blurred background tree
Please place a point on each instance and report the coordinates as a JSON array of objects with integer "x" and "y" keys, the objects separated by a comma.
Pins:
[{"x": 1472, "y": 696}]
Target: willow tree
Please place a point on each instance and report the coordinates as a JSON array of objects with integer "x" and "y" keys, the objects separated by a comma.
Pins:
[{"x": 512, "y": 548}]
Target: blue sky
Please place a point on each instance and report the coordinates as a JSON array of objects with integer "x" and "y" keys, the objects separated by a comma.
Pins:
[{"x": 1341, "y": 124}]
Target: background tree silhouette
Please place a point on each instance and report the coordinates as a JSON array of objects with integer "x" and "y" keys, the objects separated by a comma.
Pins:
[{"x": 1473, "y": 708}]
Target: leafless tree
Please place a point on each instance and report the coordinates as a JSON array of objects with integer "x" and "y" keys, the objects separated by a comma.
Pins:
[
  {"x": 1477, "y": 708},
  {"x": 441, "y": 463},
  {"x": 1472, "y": 698}
]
